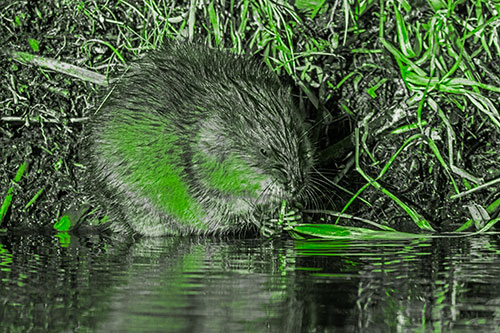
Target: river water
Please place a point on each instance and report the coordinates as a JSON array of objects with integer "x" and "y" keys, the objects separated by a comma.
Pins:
[{"x": 245, "y": 285}]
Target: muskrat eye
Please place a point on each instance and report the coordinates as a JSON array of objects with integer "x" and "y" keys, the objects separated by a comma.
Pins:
[{"x": 263, "y": 152}]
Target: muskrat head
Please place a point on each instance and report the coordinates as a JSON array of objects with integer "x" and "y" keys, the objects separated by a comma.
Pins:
[{"x": 255, "y": 148}]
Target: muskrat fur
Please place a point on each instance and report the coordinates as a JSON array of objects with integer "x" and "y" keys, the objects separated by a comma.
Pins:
[{"x": 194, "y": 140}]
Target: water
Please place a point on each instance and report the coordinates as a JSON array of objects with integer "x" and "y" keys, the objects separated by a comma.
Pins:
[{"x": 227, "y": 285}]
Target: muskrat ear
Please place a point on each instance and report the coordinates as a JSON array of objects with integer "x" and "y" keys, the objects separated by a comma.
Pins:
[{"x": 263, "y": 152}]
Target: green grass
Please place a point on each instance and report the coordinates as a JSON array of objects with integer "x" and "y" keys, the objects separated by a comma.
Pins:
[
  {"x": 415, "y": 85},
  {"x": 10, "y": 193}
]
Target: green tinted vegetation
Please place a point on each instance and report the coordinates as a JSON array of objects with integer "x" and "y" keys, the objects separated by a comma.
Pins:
[
  {"x": 10, "y": 193},
  {"x": 418, "y": 80}
]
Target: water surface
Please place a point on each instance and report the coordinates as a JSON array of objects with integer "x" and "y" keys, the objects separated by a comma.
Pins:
[{"x": 248, "y": 285}]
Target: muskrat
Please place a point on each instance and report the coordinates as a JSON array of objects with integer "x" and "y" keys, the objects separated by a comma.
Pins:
[{"x": 195, "y": 140}]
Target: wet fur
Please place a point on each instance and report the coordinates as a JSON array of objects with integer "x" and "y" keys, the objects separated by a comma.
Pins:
[{"x": 213, "y": 102}]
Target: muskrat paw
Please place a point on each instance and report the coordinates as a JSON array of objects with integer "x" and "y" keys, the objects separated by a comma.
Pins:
[
  {"x": 270, "y": 228},
  {"x": 292, "y": 218},
  {"x": 273, "y": 226}
]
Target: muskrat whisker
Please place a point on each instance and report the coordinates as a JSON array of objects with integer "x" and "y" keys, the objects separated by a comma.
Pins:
[
  {"x": 324, "y": 172},
  {"x": 317, "y": 184},
  {"x": 316, "y": 203},
  {"x": 317, "y": 190},
  {"x": 309, "y": 197},
  {"x": 330, "y": 182}
]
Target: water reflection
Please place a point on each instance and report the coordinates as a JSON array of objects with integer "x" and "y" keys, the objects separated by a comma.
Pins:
[{"x": 213, "y": 285}]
